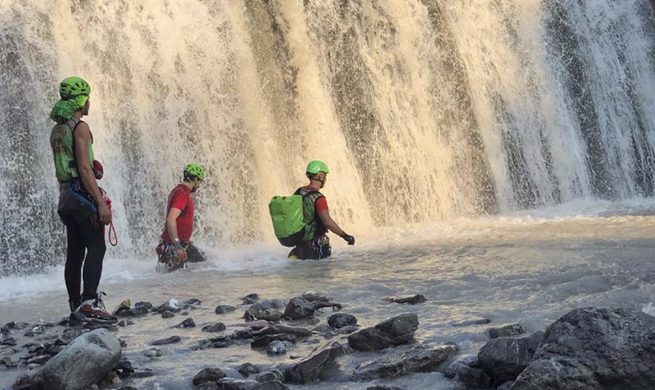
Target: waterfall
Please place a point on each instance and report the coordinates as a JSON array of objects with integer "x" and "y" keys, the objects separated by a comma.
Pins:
[{"x": 422, "y": 109}]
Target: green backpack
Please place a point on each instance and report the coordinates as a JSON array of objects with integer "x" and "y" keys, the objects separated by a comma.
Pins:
[{"x": 290, "y": 221}]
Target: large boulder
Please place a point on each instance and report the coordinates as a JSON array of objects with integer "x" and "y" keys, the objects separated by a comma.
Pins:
[
  {"x": 394, "y": 331},
  {"x": 418, "y": 359},
  {"x": 268, "y": 310},
  {"x": 505, "y": 358},
  {"x": 84, "y": 362},
  {"x": 310, "y": 368},
  {"x": 599, "y": 349}
]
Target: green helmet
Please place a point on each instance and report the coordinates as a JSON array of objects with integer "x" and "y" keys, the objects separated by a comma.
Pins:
[
  {"x": 316, "y": 166},
  {"x": 72, "y": 87},
  {"x": 194, "y": 170}
]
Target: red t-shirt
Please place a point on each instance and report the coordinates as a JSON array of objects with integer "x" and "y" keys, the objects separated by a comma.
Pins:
[
  {"x": 180, "y": 198},
  {"x": 321, "y": 203}
]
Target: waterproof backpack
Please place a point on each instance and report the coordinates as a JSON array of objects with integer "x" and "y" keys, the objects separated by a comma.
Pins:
[{"x": 289, "y": 218}]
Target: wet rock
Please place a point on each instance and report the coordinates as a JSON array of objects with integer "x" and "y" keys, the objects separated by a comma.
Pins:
[
  {"x": 96, "y": 325},
  {"x": 153, "y": 352},
  {"x": 214, "y": 328},
  {"x": 269, "y": 376},
  {"x": 222, "y": 309},
  {"x": 8, "y": 341},
  {"x": 121, "y": 323},
  {"x": 268, "y": 310},
  {"x": 591, "y": 348},
  {"x": 340, "y": 320},
  {"x": 504, "y": 358},
  {"x": 299, "y": 308},
  {"x": 40, "y": 359},
  {"x": 276, "y": 347},
  {"x": 505, "y": 386},
  {"x": 208, "y": 386},
  {"x": 167, "y": 314},
  {"x": 310, "y": 368},
  {"x": 170, "y": 340},
  {"x": 217, "y": 342},
  {"x": 125, "y": 305},
  {"x": 145, "y": 373},
  {"x": 418, "y": 359},
  {"x": 236, "y": 384},
  {"x": 123, "y": 343},
  {"x": 193, "y": 302},
  {"x": 137, "y": 311},
  {"x": 473, "y": 378},
  {"x": 4, "y": 330},
  {"x": 128, "y": 388},
  {"x": 188, "y": 323},
  {"x": 284, "y": 329},
  {"x": 145, "y": 304},
  {"x": 171, "y": 305},
  {"x": 250, "y": 299},
  {"x": 478, "y": 321},
  {"x": 506, "y": 331},
  {"x": 466, "y": 361},
  {"x": 383, "y": 387},
  {"x": 247, "y": 369},
  {"x": 124, "y": 368},
  {"x": 272, "y": 385},
  {"x": 313, "y": 296},
  {"x": 208, "y": 375},
  {"x": 395, "y": 331},
  {"x": 24, "y": 381},
  {"x": 410, "y": 299},
  {"x": 85, "y": 361},
  {"x": 264, "y": 341}
]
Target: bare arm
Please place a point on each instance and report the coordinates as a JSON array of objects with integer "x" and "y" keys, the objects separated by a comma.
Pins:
[
  {"x": 81, "y": 137},
  {"x": 329, "y": 222},
  {"x": 171, "y": 222}
]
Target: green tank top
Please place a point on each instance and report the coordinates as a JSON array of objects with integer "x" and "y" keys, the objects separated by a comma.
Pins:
[{"x": 61, "y": 142}]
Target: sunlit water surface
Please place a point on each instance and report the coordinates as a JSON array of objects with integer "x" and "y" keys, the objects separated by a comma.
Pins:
[{"x": 529, "y": 268}]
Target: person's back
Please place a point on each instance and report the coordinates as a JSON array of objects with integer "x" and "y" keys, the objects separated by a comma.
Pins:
[{"x": 315, "y": 242}]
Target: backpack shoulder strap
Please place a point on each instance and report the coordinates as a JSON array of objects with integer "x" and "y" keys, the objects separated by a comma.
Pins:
[{"x": 72, "y": 123}]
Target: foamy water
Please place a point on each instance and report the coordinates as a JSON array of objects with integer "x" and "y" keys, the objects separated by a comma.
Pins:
[{"x": 529, "y": 268}]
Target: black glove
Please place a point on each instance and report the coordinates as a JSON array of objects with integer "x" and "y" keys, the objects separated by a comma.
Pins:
[{"x": 349, "y": 239}]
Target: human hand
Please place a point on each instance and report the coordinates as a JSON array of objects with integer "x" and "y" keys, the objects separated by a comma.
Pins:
[
  {"x": 104, "y": 214},
  {"x": 179, "y": 250},
  {"x": 348, "y": 238}
]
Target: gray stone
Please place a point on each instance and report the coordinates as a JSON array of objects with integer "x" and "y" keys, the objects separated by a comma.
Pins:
[
  {"x": 477, "y": 321},
  {"x": 504, "y": 358},
  {"x": 188, "y": 323},
  {"x": 170, "y": 340},
  {"x": 272, "y": 385},
  {"x": 340, "y": 320},
  {"x": 298, "y": 308},
  {"x": 208, "y": 386},
  {"x": 383, "y": 387},
  {"x": 268, "y": 310},
  {"x": 264, "y": 341},
  {"x": 167, "y": 314},
  {"x": 310, "y": 368},
  {"x": 145, "y": 373},
  {"x": 153, "y": 352},
  {"x": 268, "y": 376},
  {"x": 418, "y": 359},
  {"x": 208, "y": 375},
  {"x": 410, "y": 299},
  {"x": 395, "y": 331},
  {"x": 214, "y": 328},
  {"x": 250, "y": 299},
  {"x": 591, "y": 348},
  {"x": 313, "y": 296},
  {"x": 284, "y": 329},
  {"x": 506, "y": 331},
  {"x": 171, "y": 305},
  {"x": 222, "y": 309},
  {"x": 276, "y": 347},
  {"x": 247, "y": 369},
  {"x": 473, "y": 378},
  {"x": 84, "y": 362},
  {"x": 450, "y": 371},
  {"x": 236, "y": 384},
  {"x": 505, "y": 386}
]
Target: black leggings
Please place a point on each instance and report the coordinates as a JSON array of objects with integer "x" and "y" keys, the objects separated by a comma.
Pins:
[{"x": 83, "y": 239}]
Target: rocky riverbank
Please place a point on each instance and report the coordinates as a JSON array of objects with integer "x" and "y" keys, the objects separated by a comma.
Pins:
[{"x": 588, "y": 348}]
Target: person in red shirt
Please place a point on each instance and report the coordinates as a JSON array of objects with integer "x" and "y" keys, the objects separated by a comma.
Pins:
[
  {"x": 175, "y": 248},
  {"x": 316, "y": 244}
]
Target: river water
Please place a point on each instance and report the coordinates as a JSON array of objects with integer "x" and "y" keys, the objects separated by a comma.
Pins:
[{"x": 529, "y": 267}]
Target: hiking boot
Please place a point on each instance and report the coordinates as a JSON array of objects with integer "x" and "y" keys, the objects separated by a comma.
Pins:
[{"x": 93, "y": 310}]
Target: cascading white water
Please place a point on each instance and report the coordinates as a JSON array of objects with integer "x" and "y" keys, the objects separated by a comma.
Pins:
[{"x": 423, "y": 109}]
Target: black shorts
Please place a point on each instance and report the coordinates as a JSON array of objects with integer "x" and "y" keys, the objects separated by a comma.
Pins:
[{"x": 316, "y": 249}]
